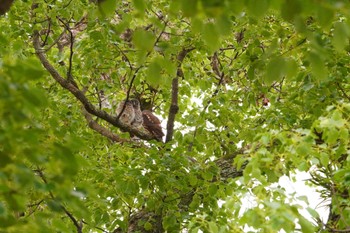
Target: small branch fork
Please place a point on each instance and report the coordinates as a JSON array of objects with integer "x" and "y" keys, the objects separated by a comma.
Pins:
[
  {"x": 174, "y": 107},
  {"x": 72, "y": 87}
]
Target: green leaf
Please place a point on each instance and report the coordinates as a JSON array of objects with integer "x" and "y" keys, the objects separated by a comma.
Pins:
[
  {"x": 325, "y": 16},
  {"x": 210, "y": 36},
  {"x": 341, "y": 36},
  {"x": 290, "y": 9},
  {"x": 189, "y": 8},
  {"x": 193, "y": 180},
  {"x": 213, "y": 227},
  {"x": 140, "y": 5},
  {"x": 275, "y": 70},
  {"x": 27, "y": 69},
  {"x": 154, "y": 74},
  {"x": 107, "y": 7},
  {"x": 143, "y": 40},
  {"x": 313, "y": 212},
  {"x": 318, "y": 66},
  {"x": 224, "y": 25},
  {"x": 306, "y": 226},
  {"x": 324, "y": 159},
  {"x": 148, "y": 226},
  {"x": 197, "y": 25},
  {"x": 291, "y": 69},
  {"x": 257, "y": 7},
  {"x": 331, "y": 136},
  {"x": 303, "y": 149},
  {"x": 212, "y": 189}
]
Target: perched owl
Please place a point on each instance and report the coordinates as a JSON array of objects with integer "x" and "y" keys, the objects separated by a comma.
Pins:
[
  {"x": 152, "y": 124},
  {"x": 127, "y": 113},
  {"x": 138, "y": 119}
]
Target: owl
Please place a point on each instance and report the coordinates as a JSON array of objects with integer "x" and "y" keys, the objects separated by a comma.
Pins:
[
  {"x": 152, "y": 124},
  {"x": 138, "y": 119},
  {"x": 126, "y": 112}
]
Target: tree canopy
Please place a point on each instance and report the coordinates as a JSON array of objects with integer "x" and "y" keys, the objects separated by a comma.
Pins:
[{"x": 247, "y": 92}]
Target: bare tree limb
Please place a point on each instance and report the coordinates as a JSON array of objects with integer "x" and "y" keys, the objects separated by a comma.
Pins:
[
  {"x": 79, "y": 95},
  {"x": 174, "y": 108}
]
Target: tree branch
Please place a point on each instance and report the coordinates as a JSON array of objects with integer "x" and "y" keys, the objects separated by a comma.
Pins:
[
  {"x": 100, "y": 129},
  {"x": 174, "y": 108},
  {"x": 79, "y": 95}
]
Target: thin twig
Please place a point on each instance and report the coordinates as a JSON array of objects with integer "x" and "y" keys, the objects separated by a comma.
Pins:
[
  {"x": 47, "y": 33},
  {"x": 56, "y": 41},
  {"x": 124, "y": 55},
  {"x": 69, "y": 73},
  {"x": 36, "y": 205},
  {"x": 67, "y": 4},
  {"x": 343, "y": 91},
  {"x": 98, "y": 228}
]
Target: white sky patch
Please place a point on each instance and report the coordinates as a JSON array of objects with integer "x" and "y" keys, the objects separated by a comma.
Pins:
[{"x": 299, "y": 188}]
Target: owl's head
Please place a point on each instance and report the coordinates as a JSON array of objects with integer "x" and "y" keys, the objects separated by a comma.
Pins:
[{"x": 135, "y": 103}]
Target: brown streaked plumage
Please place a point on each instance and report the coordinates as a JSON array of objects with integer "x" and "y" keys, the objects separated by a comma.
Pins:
[{"x": 152, "y": 124}]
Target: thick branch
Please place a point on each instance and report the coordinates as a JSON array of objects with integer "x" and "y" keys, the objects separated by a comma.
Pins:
[
  {"x": 100, "y": 129},
  {"x": 174, "y": 108},
  {"x": 79, "y": 95}
]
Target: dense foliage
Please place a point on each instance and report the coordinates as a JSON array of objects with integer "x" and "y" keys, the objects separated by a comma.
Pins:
[{"x": 249, "y": 91}]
